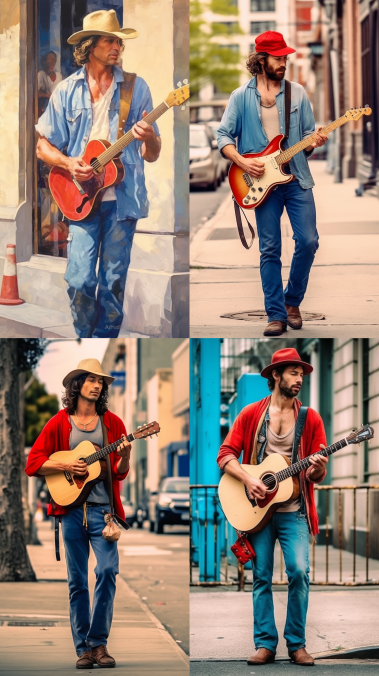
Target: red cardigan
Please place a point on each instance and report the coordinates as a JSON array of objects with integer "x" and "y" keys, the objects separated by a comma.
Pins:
[
  {"x": 55, "y": 436},
  {"x": 244, "y": 436}
]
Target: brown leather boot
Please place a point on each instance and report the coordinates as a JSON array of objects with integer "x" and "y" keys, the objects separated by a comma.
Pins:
[
  {"x": 294, "y": 319},
  {"x": 262, "y": 656},
  {"x": 102, "y": 657},
  {"x": 85, "y": 661},
  {"x": 301, "y": 657},
  {"x": 275, "y": 328}
]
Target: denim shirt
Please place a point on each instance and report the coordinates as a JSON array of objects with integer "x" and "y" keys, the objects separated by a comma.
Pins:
[
  {"x": 67, "y": 123},
  {"x": 242, "y": 121}
]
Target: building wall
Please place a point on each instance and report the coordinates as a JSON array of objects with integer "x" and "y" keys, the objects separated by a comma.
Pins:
[{"x": 180, "y": 382}]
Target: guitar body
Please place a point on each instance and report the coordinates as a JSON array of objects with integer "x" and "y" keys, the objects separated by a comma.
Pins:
[
  {"x": 238, "y": 509},
  {"x": 250, "y": 192},
  {"x": 73, "y": 203},
  {"x": 72, "y": 490}
]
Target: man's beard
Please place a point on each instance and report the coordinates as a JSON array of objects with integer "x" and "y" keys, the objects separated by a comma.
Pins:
[
  {"x": 272, "y": 73},
  {"x": 286, "y": 391}
]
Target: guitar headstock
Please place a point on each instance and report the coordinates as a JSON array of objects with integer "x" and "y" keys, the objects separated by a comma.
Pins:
[
  {"x": 179, "y": 96},
  {"x": 363, "y": 434},
  {"x": 147, "y": 430},
  {"x": 356, "y": 113}
]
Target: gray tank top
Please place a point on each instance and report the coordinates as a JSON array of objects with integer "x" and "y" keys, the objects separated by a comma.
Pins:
[{"x": 98, "y": 493}]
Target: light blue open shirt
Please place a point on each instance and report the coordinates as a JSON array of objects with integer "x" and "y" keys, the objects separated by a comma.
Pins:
[
  {"x": 67, "y": 123},
  {"x": 242, "y": 120}
]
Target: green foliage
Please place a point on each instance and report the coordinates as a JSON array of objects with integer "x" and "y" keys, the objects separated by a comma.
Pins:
[
  {"x": 39, "y": 408},
  {"x": 224, "y": 7},
  {"x": 29, "y": 351},
  {"x": 211, "y": 62}
]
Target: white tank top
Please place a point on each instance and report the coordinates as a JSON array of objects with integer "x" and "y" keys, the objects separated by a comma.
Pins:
[
  {"x": 100, "y": 127},
  {"x": 270, "y": 121},
  {"x": 282, "y": 444}
]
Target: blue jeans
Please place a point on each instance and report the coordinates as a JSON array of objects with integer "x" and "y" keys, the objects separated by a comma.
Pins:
[
  {"x": 291, "y": 529},
  {"x": 96, "y": 297},
  {"x": 89, "y": 629},
  {"x": 301, "y": 210}
]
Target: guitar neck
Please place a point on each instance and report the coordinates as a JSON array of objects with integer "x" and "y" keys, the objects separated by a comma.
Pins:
[
  {"x": 103, "y": 452},
  {"x": 117, "y": 147},
  {"x": 286, "y": 155},
  {"x": 297, "y": 467}
]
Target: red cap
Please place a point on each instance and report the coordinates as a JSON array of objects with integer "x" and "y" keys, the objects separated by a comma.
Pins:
[
  {"x": 273, "y": 43},
  {"x": 285, "y": 357}
]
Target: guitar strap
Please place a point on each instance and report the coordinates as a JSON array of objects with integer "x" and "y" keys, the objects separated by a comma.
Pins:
[
  {"x": 301, "y": 418},
  {"x": 237, "y": 211},
  {"x": 287, "y": 105},
  {"x": 109, "y": 478},
  {"x": 57, "y": 522},
  {"x": 126, "y": 95}
]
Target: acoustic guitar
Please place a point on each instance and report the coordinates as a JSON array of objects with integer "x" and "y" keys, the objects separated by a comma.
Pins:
[
  {"x": 72, "y": 490},
  {"x": 251, "y": 515},
  {"x": 77, "y": 199},
  {"x": 250, "y": 192}
]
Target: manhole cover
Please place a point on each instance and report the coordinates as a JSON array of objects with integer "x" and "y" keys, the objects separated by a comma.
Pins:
[
  {"x": 31, "y": 623},
  {"x": 260, "y": 315}
]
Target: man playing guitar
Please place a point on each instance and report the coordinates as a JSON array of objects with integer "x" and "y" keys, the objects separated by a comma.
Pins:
[
  {"x": 83, "y": 107},
  {"x": 255, "y": 115},
  {"x": 269, "y": 426},
  {"x": 85, "y": 400}
]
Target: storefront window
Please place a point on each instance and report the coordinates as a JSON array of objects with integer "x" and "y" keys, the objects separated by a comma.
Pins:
[{"x": 55, "y": 21}]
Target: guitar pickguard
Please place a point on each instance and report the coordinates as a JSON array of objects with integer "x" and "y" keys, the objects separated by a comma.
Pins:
[
  {"x": 80, "y": 479},
  {"x": 258, "y": 187}
]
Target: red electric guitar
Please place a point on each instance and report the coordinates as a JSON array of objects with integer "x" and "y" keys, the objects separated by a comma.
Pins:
[
  {"x": 77, "y": 200},
  {"x": 250, "y": 192}
]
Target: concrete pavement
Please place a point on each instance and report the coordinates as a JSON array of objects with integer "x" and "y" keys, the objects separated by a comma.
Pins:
[
  {"x": 35, "y": 634},
  {"x": 343, "y": 284}
]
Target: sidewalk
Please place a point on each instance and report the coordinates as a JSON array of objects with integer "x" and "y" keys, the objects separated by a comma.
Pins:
[
  {"x": 343, "y": 284},
  {"x": 35, "y": 634}
]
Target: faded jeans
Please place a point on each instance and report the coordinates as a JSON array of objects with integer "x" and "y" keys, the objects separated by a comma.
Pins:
[
  {"x": 97, "y": 296},
  {"x": 89, "y": 629},
  {"x": 301, "y": 210},
  {"x": 291, "y": 529}
]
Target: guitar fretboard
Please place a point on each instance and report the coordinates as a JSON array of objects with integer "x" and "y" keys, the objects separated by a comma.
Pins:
[
  {"x": 297, "y": 467},
  {"x": 286, "y": 155},
  {"x": 127, "y": 138},
  {"x": 103, "y": 452}
]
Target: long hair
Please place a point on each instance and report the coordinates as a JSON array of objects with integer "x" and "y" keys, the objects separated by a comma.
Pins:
[
  {"x": 70, "y": 397},
  {"x": 253, "y": 65},
  {"x": 82, "y": 49},
  {"x": 271, "y": 380}
]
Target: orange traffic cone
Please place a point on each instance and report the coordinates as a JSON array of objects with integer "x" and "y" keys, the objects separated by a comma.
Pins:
[{"x": 9, "y": 288}]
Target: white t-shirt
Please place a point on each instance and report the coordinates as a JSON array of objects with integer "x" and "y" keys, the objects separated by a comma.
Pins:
[
  {"x": 100, "y": 127},
  {"x": 45, "y": 83},
  {"x": 270, "y": 121}
]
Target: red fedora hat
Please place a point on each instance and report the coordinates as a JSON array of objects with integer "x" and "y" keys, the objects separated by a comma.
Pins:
[
  {"x": 285, "y": 357},
  {"x": 272, "y": 43}
]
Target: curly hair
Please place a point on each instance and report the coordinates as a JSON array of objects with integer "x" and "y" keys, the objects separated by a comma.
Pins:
[
  {"x": 82, "y": 49},
  {"x": 253, "y": 65},
  {"x": 70, "y": 397},
  {"x": 271, "y": 380}
]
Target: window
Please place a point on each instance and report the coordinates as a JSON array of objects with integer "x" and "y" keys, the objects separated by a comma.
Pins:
[
  {"x": 56, "y": 20},
  {"x": 258, "y": 27},
  {"x": 225, "y": 27},
  {"x": 262, "y": 5}
]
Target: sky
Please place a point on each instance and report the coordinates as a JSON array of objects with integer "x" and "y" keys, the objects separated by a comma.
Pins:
[{"x": 63, "y": 356}]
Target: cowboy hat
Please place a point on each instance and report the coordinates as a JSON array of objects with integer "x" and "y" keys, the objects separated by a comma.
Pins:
[
  {"x": 286, "y": 357},
  {"x": 102, "y": 23},
  {"x": 87, "y": 366}
]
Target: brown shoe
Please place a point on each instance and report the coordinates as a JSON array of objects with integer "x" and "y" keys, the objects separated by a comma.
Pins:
[
  {"x": 85, "y": 661},
  {"x": 275, "y": 328},
  {"x": 294, "y": 319},
  {"x": 301, "y": 657},
  {"x": 262, "y": 656},
  {"x": 102, "y": 657}
]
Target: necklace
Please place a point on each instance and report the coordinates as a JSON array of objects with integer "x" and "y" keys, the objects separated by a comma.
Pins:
[{"x": 84, "y": 424}]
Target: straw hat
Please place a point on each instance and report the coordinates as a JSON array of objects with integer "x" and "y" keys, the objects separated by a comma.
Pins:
[
  {"x": 88, "y": 366},
  {"x": 286, "y": 357},
  {"x": 102, "y": 23}
]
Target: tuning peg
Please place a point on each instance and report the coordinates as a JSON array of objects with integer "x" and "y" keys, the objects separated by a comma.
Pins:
[
  {"x": 179, "y": 84},
  {"x": 185, "y": 82}
]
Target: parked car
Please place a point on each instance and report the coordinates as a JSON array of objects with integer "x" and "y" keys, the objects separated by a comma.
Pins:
[
  {"x": 205, "y": 167},
  {"x": 224, "y": 163},
  {"x": 170, "y": 505},
  {"x": 130, "y": 511}
]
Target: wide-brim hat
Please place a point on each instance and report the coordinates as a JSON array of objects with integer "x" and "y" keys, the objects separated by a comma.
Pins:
[
  {"x": 286, "y": 357},
  {"x": 102, "y": 22},
  {"x": 88, "y": 366},
  {"x": 272, "y": 43}
]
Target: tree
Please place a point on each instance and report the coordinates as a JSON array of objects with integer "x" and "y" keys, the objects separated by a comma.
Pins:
[
  {"x": 16, "y": 356},
  {"x": 210, "y": 61},
  {"x": 39, "y": 408}
]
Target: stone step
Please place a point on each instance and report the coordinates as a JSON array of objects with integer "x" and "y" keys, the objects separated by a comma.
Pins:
[{"x": 34, "y": 321}]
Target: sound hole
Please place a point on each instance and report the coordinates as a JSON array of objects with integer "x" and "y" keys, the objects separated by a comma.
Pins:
[
  {"x": 79, "y": 209},
  {"x": 270, "y": 481}
]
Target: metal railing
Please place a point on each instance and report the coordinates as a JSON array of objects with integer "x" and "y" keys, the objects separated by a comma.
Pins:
[{"x": 209, "y": 536}]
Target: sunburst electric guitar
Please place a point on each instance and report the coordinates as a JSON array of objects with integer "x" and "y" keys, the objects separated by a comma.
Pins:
[
  {"x": 77, "y": 199},
  {"x": 250, "y": 516},
  {"x": 250, "y": 192},
  {"x": 72, "y": 490}
]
